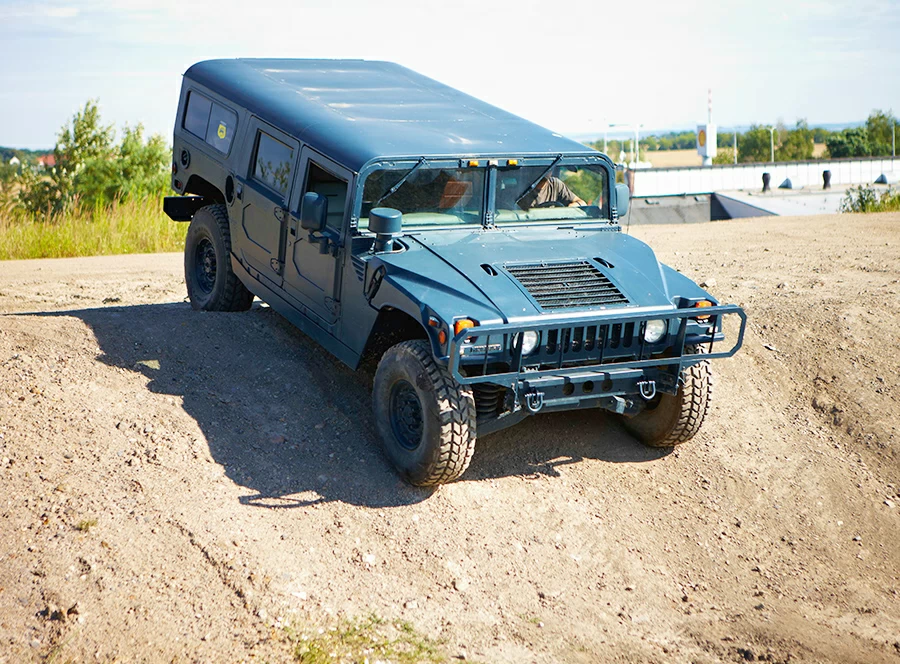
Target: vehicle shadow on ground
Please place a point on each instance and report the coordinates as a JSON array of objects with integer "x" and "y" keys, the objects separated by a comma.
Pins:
[{"x": 294, "y": 425}]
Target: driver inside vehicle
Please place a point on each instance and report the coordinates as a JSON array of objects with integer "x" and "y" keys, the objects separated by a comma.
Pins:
[{"x": 550, "y": 192}]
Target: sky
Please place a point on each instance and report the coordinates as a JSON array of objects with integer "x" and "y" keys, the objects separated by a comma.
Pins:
[{"x": 573, "y": 66}]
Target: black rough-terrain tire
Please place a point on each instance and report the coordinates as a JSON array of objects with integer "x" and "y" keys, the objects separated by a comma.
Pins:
[
  {"x": 211, "y": 283},
  {"x": 426, "y": 420},
  {"x": 670, "y": 420}
]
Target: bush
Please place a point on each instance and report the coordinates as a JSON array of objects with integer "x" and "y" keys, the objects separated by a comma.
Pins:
[{"x": 865, "y": 198}]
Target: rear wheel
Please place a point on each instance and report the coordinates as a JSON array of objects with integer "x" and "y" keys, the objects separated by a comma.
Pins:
[
  {"x": 670, "y": 420},
  {"x": 211, "y": 283},
  {"x": 426, "y": 420}
]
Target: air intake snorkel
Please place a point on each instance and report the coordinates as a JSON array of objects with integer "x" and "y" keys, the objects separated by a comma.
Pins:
[{"x": 386, "y": 223}]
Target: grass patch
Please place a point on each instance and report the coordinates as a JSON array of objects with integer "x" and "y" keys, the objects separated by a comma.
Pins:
[
  {"x": 133, "y": 227},
  {"x": 369, "y": 639},
  {"x": 85, "y": 525}
]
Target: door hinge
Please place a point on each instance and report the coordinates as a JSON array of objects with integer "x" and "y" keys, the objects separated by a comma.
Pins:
[
  {"x": 281, "y": 213},
  {"x": 276, "y": 265}
]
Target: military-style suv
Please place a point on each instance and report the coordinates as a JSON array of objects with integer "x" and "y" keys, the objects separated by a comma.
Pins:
[{"x": 477, "y": 256}]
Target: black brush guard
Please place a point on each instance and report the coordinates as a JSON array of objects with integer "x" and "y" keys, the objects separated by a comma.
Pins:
[{"x": 574, "y": 376}]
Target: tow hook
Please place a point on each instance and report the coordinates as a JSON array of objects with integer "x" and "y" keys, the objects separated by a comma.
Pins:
[
  {"x": 534, "y": 401},
  {"x": 647, "y": 388}
]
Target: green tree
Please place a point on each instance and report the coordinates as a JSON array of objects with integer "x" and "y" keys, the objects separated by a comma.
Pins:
[
  {"x": 797, "y": 144},
  {"x": 649, "y": 143},
  {"x": 820, "y": 134},
  {"x": 83, "y": 141},
  {"x": 724, "y": 155},
  {"x": 134, "y": 169},
  {"x": 879, "y": 126},
  {"x": 852, "y": 142},
  {"x": 86, "y": 140},
  {"x": 91, "y": 170},
  {"x": 754, "y": 145}
]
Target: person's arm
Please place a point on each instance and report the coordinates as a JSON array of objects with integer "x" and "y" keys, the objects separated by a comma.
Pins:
[{"x": 566, "y": 196}]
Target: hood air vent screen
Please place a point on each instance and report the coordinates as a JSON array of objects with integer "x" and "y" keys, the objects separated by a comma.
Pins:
[{"x": 569, "y": 285}]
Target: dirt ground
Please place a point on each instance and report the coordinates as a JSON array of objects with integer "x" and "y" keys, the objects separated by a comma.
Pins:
[{"x": 180, "y": 486}]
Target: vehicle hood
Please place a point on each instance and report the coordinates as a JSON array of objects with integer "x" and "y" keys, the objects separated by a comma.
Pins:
[{"x": 481, "y": 259}]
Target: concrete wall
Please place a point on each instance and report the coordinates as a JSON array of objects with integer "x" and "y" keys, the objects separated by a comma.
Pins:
[
  {"x": 807, "y": 174},
  {"x": 691, "y": 209}
]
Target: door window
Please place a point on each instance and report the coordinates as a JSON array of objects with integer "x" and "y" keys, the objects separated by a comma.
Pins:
[
  {"x": 332, "y": 188},
  {"x": 272, "y": 162}
]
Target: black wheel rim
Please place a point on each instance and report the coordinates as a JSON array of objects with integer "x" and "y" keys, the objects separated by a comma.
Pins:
[
  {"x": 205, "y": 265},
  {"x": 406, "y": 415}
]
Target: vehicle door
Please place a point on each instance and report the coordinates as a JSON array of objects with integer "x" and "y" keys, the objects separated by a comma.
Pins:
[
  {"x": 265, "y": 189},
  {"x": 312, "y": 270}
]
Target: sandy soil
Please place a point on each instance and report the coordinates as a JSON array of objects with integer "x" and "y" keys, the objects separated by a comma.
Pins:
[
  {"x": 177, "y": 486},
  {"x": 672, "y": 158}
]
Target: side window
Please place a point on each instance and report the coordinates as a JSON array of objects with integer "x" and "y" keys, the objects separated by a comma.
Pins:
[
  {"x": 196, "y": 114},
  {"x": 272, "y": 162},
  {"x": 222, "y": 123},
  {"x": 210, "y": 121},
  {"x": 332, "y": 188}
]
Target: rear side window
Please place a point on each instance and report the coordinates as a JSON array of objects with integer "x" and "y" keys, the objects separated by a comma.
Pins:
[
  {"x": 272, "y": 162},
  {"x": 210, "y": 121}
]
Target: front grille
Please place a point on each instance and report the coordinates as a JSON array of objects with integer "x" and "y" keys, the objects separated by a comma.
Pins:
[
  {"x": 592, "y": 339},
  {"x": 569, "y": 285}
]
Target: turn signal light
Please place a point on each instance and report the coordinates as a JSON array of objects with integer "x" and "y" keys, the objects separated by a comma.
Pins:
[
  {"x": 702, "y": 304},
  {"x": 463, "y": 324}
]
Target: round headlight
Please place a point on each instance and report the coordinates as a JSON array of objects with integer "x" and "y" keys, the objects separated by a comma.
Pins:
[
  {"x": 530, "y": 341},
  {"x": 655, "y": 330}
]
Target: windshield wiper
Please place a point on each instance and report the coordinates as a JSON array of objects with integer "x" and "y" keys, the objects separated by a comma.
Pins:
[
  {"x": 400, "y": 182},
  {"x": 534, "y": 184}
]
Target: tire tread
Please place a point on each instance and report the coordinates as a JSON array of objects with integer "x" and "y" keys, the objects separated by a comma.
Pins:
[
  {"x": 457, "y": 415},
  {"x": 234, "y": 295}
]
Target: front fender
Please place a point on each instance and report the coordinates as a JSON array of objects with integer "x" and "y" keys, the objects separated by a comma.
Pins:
[
  {"x": 441, "y": 293},
  {"x": 679, "y": 286}
]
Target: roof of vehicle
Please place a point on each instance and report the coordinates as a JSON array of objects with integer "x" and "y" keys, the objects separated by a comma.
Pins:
[{"x": 358, "y": 110}]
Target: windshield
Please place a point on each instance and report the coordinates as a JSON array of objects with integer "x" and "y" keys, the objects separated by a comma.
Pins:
[
  {"x": 567, "y": 192},
  {"x": 429, "y": 196}
]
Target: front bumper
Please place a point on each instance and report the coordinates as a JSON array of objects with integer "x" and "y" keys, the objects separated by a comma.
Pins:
[{"x": 586, "y": 361}]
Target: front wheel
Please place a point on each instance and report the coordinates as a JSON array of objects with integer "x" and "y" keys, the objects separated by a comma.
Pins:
[
  {"x": 426, "y": 420},
  {"x": 670, "y": 420},
  {"x": 211, "y": 283}
]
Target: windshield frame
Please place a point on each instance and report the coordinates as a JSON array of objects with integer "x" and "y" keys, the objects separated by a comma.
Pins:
[{"x": 490, "y": 164}]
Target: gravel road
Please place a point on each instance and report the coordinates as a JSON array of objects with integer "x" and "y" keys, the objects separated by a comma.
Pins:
[{"x": 180, "y": 486}]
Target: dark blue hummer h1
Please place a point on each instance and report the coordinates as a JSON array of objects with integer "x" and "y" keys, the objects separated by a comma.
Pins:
[{"x": 475, "y": 255}]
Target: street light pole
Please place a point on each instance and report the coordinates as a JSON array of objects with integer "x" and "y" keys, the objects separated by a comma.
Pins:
[{"x": 772, "y": 142}]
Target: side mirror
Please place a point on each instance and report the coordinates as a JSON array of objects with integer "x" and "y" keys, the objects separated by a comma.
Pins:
[
  {"x": 622, "y": 198},
  {"x": 385, "y": 223},
  {"x": 313, "y": 211}
]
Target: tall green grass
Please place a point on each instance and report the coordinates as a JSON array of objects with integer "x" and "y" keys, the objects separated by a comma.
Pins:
[{"x": 133, "y": 227}]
